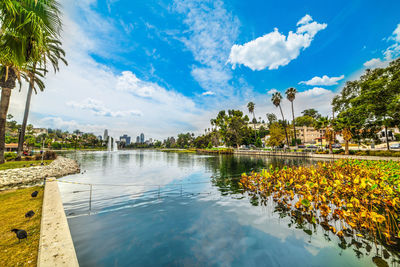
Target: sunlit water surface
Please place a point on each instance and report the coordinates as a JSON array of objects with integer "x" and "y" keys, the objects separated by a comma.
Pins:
[{"x": 151, "y": 208}]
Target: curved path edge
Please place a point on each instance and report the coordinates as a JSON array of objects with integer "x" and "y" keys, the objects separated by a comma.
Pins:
[
  {"x": 56, "y": 247},
  {"x": 311, "y": 155}
]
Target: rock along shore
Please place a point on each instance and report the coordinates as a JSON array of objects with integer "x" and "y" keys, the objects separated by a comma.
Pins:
[{"x": 59, "y": 167}]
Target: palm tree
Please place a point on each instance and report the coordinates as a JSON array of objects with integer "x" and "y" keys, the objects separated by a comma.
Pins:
[
  {"x": 343, "y": 124},
  {"x": 276, "y": 100},
  {"x": 52, "y": 53},
  {"x": 24, "y": 27},
  {"x": 291, "y": 95},
  {"x": 251, "y": 107}
]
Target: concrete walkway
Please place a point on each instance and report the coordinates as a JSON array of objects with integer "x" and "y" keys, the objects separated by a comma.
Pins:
[
  {"x": 310, "y": 155},
  {"x": 55, "y": 246}
]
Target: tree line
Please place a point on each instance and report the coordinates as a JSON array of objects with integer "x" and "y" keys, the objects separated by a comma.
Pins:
[{"x": 51, "y": 138}]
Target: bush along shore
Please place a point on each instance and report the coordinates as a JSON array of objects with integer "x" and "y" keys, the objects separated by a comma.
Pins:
[
  {"x": 59, "y": 167},
  {"x": 353, "y": 199}
]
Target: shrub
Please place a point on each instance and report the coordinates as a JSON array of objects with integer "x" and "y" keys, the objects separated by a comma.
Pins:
[
  {"x": 49, "y": 155},
  {"x": 10, "y": 156},
  {"x": 381, "y": 153},
  {"x": 338, "y": 151}
]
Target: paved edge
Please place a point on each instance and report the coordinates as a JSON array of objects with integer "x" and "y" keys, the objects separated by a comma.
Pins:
[
  {"x": 312, "y": 155},
  {"x": 55, "y": 246}
]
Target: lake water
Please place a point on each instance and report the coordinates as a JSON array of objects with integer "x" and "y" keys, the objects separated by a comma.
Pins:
[{"x": 151, "y": 208}]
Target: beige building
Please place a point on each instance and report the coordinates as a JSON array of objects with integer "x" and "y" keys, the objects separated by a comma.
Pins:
[
  {"x": 39, "y": 131},
  {"x": 258, "y": 125},
  {"x": 309, "y": 135}
]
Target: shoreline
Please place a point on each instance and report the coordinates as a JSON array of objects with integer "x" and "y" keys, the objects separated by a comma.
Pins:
[
  {"x": 310, "y": 155},
  {"x": 61, "y": 166}
]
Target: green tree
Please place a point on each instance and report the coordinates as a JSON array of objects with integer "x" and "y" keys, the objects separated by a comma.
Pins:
[
  {"x": 271, "y": 117},
  {"x": 373, "y": 100},
  {"x": 305, "y": 121},
  {"x": 236, "y": 123},
  {"x": 258, "y": 142},
  {"x": 276, "y": 100},
  {"x": 312, "y": 113},
  {"x": 277, "y": 135},
  {"x": 291, "y": 95},
  {"x": 184, "y": 140}
]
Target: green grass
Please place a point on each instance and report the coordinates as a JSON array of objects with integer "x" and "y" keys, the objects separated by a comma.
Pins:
[
  {"x": 22, "y": 164},
  {"x": 179, "y": 150},
  {"x": 218, "y": 150},
  {"x": 14, "y": 205}
]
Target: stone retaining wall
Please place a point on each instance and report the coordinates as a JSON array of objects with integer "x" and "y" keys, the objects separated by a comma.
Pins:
[{"x": 59, "y": 167}]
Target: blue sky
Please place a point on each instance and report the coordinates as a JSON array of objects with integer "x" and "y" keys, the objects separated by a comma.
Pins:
[{"x": 164, "y": 67}]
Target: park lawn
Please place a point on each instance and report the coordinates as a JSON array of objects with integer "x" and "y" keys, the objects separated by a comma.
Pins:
[
  {"x": 178, "y": 150},
  {"x": 14, "y": 205},
  {"x": 22, "y": 164}
]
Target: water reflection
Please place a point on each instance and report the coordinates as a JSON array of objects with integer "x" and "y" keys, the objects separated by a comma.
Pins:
[{"x": 187, "y": 209}]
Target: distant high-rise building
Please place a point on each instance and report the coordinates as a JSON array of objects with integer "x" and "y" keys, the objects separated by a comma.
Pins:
[
  {"x": 125, "y": 138},
  {"x": 137, "y": 139},
  {"x": 142, "y": 138},
  {"x": 100, "y": 137},
  {"x": 105, "y": 135}
]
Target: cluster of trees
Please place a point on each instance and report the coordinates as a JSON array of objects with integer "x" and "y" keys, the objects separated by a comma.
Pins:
[
  {"x": 230, "y": 128},
  {"x": 53, "y": 138},
  {"x": 363, "y": 107},
  {"x": 366, "y": 105},
  {"x": 29, "y": 44}
]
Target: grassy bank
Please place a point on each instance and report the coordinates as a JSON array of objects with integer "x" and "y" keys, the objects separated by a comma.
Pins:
[
  {"x": 22, "y": 164},
  {"x": 216, "y": 150},
  {"x": 179, "y": 150},
  {"x": 14, "y": 205}
]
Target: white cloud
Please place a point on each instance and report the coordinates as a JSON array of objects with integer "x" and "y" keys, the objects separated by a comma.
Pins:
[
  {"x": 208, "y": 93},
  {"x": 304, "y": 20},
  {"x": 272, "y": 91},
  {"x": 316, "y": 91},
  {"x": 98, "y": 108},
  {"x": 389, "y": 53},
  {"x": 324, "y": 80},
  {"x": 274, "y": 49},
  {"x": 375, "y": 63},
  {"x": 396, "y": 34},
  {"x": 211, "y": 33}
]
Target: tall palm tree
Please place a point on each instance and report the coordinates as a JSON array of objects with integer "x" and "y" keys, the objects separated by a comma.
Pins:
[
  {"x": 12, "y": 60},
  {"x": 251, "y": 107},
  {"x": 291, "y": 95},
  {"x": 276, "y": 100},
  {"x": 52, "y": 53},
  {"x": 26, "y": 26}
]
